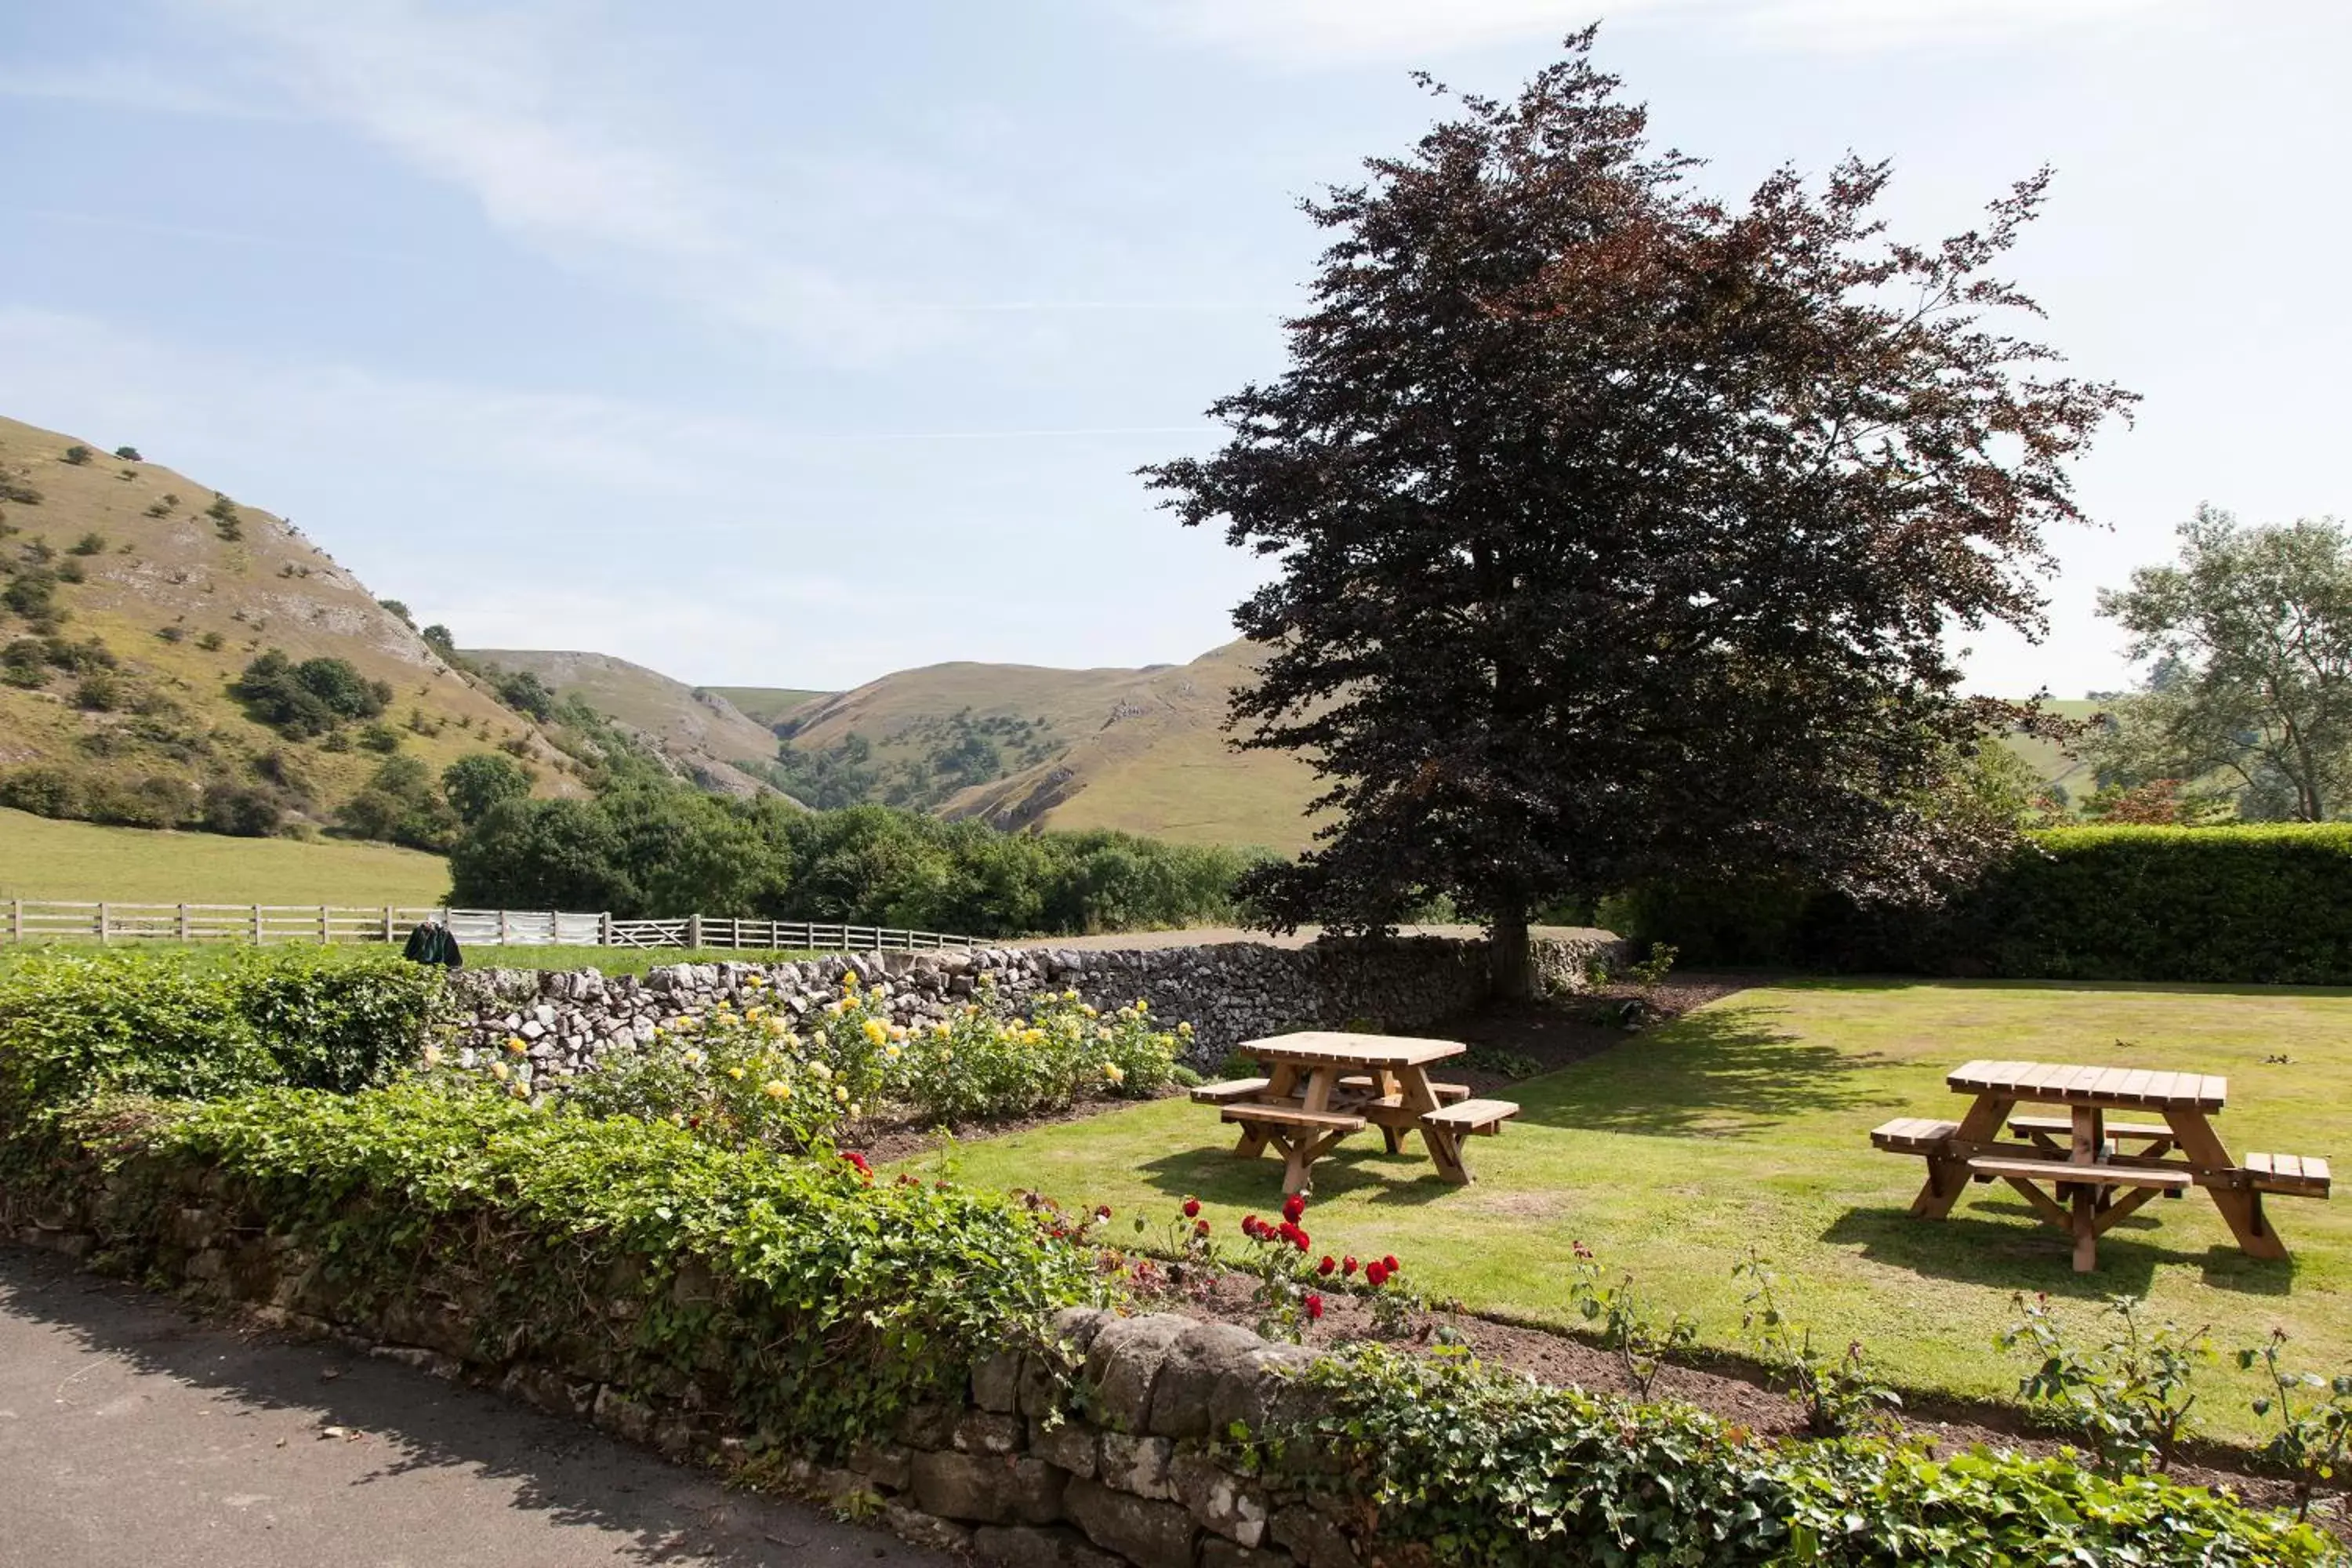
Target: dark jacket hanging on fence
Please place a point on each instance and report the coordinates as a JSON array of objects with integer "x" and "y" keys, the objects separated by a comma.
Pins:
[{"x": 432, "y": 944}]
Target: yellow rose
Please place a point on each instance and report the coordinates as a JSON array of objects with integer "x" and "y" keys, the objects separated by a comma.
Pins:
[
  {"x": 498, "y": 1072},
  {"x": 855, "y": 1108},
  {"x": 893, "y": 1051},
  {"x": 735, "y": 1073},
  {"x": 515, "y": 1045},
  {"x": 821, "y": 1070},
  {"x": 518, "y": 1091},
  {"x": 776, "y": 1088},
  {"x": 876, "y": 1031},
  {"x": 1110, "y": 1071},
  {"x": 433, "y": 1056},
  {"x": 841, "y": 1094}
]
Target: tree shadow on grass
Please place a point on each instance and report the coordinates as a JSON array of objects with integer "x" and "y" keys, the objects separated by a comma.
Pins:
[
  {"x": 1360, "y": 1165},
  {"x": 613, "y": 1502},
  {"x": 2005, "y": 1247},
  {"x": 1720, "y": 1072}
]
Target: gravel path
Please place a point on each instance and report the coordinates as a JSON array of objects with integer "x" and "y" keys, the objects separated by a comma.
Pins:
[{"x": 133, "y": 1435}]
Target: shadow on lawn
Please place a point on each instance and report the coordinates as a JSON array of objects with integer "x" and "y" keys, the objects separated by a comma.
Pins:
[
  {"x": 2003, "y": 1246},
  {"x": 1721, "y": 1072},
  {"x": 1405, "y": 1180}
]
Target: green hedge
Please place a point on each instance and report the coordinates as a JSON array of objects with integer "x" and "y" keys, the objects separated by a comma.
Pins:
[
  {"x": 2255, "y": 904},
  {"x": 808, "y": 1304},
  {"x": 74, "y": 1024},
  {"x": 1498, "y": 1471}
]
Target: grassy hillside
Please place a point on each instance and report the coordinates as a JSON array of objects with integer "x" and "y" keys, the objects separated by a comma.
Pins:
[
  {"x": 179, "y": 590},
  {"x": 2054, "y": 764},
  {"x": 767, "y": 705},
  {"x": 1141, "y": 750},
  {"x": 79, "y": 861},
  {"x": 694, "y": 726}
]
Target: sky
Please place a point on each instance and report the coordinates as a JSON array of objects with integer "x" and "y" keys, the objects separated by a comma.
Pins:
[{"x": 792, "y": 344}]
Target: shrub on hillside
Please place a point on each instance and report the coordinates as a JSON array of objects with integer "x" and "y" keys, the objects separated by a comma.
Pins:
[
  {"x": 240, "y": 811},
  {"x": 480, "y": 780},
  {"x": 400, "y": 805},
  {"x": 307, "y": 700}
]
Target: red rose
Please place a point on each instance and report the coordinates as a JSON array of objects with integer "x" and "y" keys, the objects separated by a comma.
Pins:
[
  {"x": 1191, "y": 1208},
  {"x": 1390, "y": 1264},
  {"x": 1328, "y": 1264},
  {"x": 1314, "y": 1308},
  {"x": 1294, "y": 1207},
  {"x": 1289, "y": 1232},
  {"x": 1250, "y": 1224},
  {"x": 1299, "y": 1238},
  {"x": 1199, "y": 1227},
  {"x": 1347, "y": 1265},
  {"x": 1376, "y": 1274},
  {"x": 857, "y": 1162},
  {"x": 1102, "y": 1211}
]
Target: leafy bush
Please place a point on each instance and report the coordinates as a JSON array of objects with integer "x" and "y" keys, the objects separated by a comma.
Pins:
[
  {"x": 78, "y": 455},
  {"x": 90, "y": 544},
  {"x": 2130, "y": 1399},
  {"x": 480, "y": 780},
  {"x": 812, "y": 1305},
  {"x": 300, "y": 700},
  {"x": 128, "y": 454},
  {"x": 1497, "y": 1470},
  {"x": 757, "y": 1076},
  {"x": 75, "y": 1025},
  {"x": 2314, "y": 1416},
  {"x": 240, "y": 811}
]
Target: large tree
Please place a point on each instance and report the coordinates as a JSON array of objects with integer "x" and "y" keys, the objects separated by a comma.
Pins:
[
  {"x": 2251, "y": 629},
  {"x": 1618, "y": 531}
]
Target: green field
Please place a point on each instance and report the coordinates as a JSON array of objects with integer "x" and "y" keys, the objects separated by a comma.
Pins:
[
  {"x": 1747, "y": 1123},
  {"x": 40, "y": 859}
]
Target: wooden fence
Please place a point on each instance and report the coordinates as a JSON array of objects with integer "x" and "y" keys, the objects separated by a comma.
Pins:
[{"x": 107, "y": 923}]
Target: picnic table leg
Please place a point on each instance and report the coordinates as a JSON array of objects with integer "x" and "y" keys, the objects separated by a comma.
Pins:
[
  {"x": 1948, "y": 1174},
  {"x": 1278, "y": 1087},
  {"x": 1303, "y": 1148},
  {"x": 2241, "y": 1207},
  {"x": 2086, "y": 1227},
  {"x": 1384, "y": 1084},
  {"x": 1444, "y": 1148}
]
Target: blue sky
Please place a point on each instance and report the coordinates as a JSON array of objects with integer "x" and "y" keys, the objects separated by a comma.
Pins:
[{"x": 792, "y": 344}]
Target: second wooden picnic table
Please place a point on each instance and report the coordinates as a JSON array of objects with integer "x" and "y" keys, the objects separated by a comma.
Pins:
[
  {"x": 2097, "y": 1170},
  {"x": 1322, "y": 1085}
]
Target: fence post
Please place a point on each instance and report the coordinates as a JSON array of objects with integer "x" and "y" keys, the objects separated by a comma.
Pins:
[
  {"x": 257, "y": 925},
  {"x": 102, "y": 922},
  {"x": 693, "y": 933},
  {"x": 184, "y": 923},
  {"x": 326, "y": 928},
  {"x": 16, "y": 919},
  {"x": 503, "y": 928},
  {"x": 605, "y": 928},
  {"x": 387, "y": 924}
]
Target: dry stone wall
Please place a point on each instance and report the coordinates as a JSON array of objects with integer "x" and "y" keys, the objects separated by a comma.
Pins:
[{"x": 1228, "y": 992}]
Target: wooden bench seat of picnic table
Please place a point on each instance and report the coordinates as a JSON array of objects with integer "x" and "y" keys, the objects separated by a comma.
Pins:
[
  {"x": 2064, "y": 1127},
  {"x": 1231, "y": 1089},
  {"x": 1447, "y": 1093},
  {"x": 1294, "y": 1116},
  {"x": 2091, "y": 1176},
  {"x": 1913, "y": 1134},
  {"x": 2289, "y": 1175},
  {"x": 1481, "y": 1116}
]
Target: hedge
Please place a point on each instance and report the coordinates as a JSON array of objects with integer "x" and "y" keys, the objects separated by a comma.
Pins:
[
  {"x": 2252, "y": 904},
  {"x": 811, "y": 1306}
]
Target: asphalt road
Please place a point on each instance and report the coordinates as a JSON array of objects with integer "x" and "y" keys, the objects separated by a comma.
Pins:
[{"x": 135, "y": 1436}]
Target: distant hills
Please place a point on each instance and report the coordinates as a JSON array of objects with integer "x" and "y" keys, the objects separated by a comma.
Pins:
[
  {"x": 182, "y": 588},
  {"x": 698, "y": 730}
]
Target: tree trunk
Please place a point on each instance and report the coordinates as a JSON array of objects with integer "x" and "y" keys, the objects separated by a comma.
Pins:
[{"x": 1510, "y": 964}]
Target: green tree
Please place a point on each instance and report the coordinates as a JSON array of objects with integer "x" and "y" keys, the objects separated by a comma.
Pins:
[
  {"x": 2250, "y": 632},
  {"x": 542, "y": 855},
  {"x": 480, "y": 780},
  {"x": 1617, "y": 531},
  {"x": 400, "y": 804}
]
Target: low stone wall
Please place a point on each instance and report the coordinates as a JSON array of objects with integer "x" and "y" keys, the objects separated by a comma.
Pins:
[
  {"x": 1090, "y": 1449},
  {"x": 1228, "y": 992}
]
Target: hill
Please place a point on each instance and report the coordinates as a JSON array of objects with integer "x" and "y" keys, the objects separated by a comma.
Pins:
[
  {"x": 80, "y": 861},
  {"x": 132, "y": 596},
  {"x": 1140, "y": 750},
  {"x": 767, "y": 705},
  {"x": 695, "y": 727}
]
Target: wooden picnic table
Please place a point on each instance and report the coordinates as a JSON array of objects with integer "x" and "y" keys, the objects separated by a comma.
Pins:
[
  {"x": 2095, "y": 1170},
  {"x": 1322, "y": 1085}
]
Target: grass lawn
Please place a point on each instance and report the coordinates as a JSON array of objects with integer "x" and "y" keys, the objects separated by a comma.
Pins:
[
  {"x": 1747, "y": 1123},
  {"x": 41, "y": 859}
]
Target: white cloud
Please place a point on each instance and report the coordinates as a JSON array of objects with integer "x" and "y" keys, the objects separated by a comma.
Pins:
[
  {"x": 480, "y": 101},
  {"x": 1306, "y": 33},
  {"x": 138, "y": 87}
]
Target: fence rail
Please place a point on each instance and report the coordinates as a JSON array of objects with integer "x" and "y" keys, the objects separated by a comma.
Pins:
[{"x": 107, "y": 923}]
